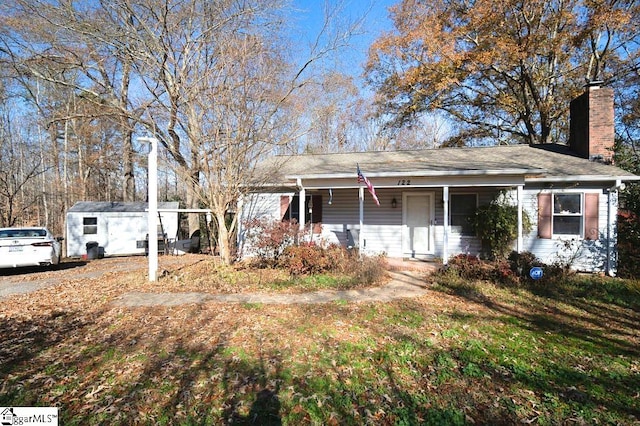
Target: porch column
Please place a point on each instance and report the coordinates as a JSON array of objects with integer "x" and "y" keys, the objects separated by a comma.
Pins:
[
  {"x": 519, "y": 241},
  {"x": 360, "y": 232},
  {"x": 302, "y": 196},
  {"x": 445, "y": 213}
]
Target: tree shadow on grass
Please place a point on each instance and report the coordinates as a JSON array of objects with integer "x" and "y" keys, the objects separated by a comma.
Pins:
[
  {"x": 581, "y": 329},
  {"x": 609, "y": 327},
  {"x": 144, "y": 366},
  {"x": 132, "y": 375}
]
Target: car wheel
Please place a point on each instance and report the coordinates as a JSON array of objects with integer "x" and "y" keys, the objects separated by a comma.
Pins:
[{"x": 56, "y": 264}]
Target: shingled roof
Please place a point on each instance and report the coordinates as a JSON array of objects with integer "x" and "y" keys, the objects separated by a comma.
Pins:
[
  {"x": 535, "y": 162},
  {"x": 117, "y": 206}
]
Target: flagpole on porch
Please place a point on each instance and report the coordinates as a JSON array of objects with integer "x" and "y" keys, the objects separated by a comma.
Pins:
[{"x": 360, "y": 233}]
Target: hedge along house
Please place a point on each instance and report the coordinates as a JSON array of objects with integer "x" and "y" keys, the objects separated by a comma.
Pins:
[
  {"x": 570, "y": 193},
  {"x": 119, "y": 228}
]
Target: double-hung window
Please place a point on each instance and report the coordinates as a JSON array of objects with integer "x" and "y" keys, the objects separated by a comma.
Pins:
[
  {"x": 568, "y": 214},
  {"x": 463, "y": 207}
]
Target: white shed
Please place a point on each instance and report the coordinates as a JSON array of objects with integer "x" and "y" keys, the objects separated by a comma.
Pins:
[{"x": 118, "y": 228}]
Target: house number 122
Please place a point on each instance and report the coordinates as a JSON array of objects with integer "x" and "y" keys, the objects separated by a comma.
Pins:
[{"x": 404, "y": 182}]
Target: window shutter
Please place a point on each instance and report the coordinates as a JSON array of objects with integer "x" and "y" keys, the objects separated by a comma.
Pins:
[
  {"x": 316, "y": 208},
  {"x": 544, "y": 215},
  {"x": 284, "y": 207},
  {"x": 591, "y": 208},
  {"x": 316, "y": 213}
]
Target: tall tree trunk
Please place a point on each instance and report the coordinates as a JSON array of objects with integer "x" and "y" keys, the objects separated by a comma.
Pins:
[
  {"x": 129, "y": 184},
  {"x": 224, "y": 246},
  {"x": 193, "y": 201}
]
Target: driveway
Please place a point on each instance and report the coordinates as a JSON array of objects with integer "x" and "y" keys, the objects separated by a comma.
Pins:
[{"x": 26, "y": 280}]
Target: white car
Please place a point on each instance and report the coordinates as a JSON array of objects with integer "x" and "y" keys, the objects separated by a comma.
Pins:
[{"x": 32, "y": 246}]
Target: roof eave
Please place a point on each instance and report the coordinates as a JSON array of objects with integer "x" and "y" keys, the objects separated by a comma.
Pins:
[
  {"x": 582, "y": 178},
  {"x": 423, "y": 173}
]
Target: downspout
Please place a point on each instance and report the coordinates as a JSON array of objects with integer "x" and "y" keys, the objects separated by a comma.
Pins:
[
  {"x": 619, "y": 185},
  {"x": 445, "y": 212}
]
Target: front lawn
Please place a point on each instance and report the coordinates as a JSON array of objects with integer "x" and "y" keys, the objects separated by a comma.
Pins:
[{"x": 465, "y": 353}]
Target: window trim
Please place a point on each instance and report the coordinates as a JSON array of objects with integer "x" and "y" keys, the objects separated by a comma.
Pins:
[{"x": 554, "y": 215}]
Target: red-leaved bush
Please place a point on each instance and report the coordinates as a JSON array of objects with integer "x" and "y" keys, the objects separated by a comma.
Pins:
[
  {"x": 268, "y": 239},
  {"x": 310, "y": 258},
  {"x": 513, "y": 271}
]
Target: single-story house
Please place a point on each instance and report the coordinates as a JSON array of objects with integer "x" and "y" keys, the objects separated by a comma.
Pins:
[
  {"x": 570, "y": 193},
  {"x": 118, "y": 228}
]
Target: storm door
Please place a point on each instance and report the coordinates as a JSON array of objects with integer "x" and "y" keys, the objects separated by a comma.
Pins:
[{"x": 417, "y": 238}]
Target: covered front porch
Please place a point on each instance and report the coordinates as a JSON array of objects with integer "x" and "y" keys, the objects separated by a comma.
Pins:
[{"x": 419, "y": 217}]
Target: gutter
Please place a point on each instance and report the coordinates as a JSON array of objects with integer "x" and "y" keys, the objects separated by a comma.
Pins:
[{"x": 583, "y": 178}]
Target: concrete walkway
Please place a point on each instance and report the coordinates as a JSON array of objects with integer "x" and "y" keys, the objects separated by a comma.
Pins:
[{"x": 403, "y": 284}]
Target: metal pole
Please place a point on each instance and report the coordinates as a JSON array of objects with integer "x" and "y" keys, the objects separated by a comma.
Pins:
[{"x": 152, "y": 215}]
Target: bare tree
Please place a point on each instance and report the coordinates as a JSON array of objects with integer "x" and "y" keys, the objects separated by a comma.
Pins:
[
  {"x": 20, "y": 165},
  {"x": 215, "y": 81},
  {"x": 223, "y": 92}
]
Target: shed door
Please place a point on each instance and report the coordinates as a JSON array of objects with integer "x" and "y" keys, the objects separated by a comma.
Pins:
[{"x": 417, "y": 214}]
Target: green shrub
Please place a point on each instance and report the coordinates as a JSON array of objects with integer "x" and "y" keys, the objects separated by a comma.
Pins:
[{"x": 496, "y": 224}]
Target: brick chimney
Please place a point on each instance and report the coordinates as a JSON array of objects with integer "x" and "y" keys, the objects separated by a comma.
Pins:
[{"x": 591, "y": 132}]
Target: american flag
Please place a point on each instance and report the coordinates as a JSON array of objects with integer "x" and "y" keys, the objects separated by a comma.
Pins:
[{"x": 372, "y": 190}]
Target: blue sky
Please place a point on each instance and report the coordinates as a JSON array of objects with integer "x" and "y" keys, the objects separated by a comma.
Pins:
[{"x": 375, "y": 13}]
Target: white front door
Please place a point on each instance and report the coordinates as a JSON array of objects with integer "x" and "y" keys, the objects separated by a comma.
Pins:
[{"x": 416, "y": 225}]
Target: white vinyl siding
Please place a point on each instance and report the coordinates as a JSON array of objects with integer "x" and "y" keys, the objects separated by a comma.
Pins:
[
  {"x": 587, "y": 255},
  {"x": 382, "y": 231}
]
